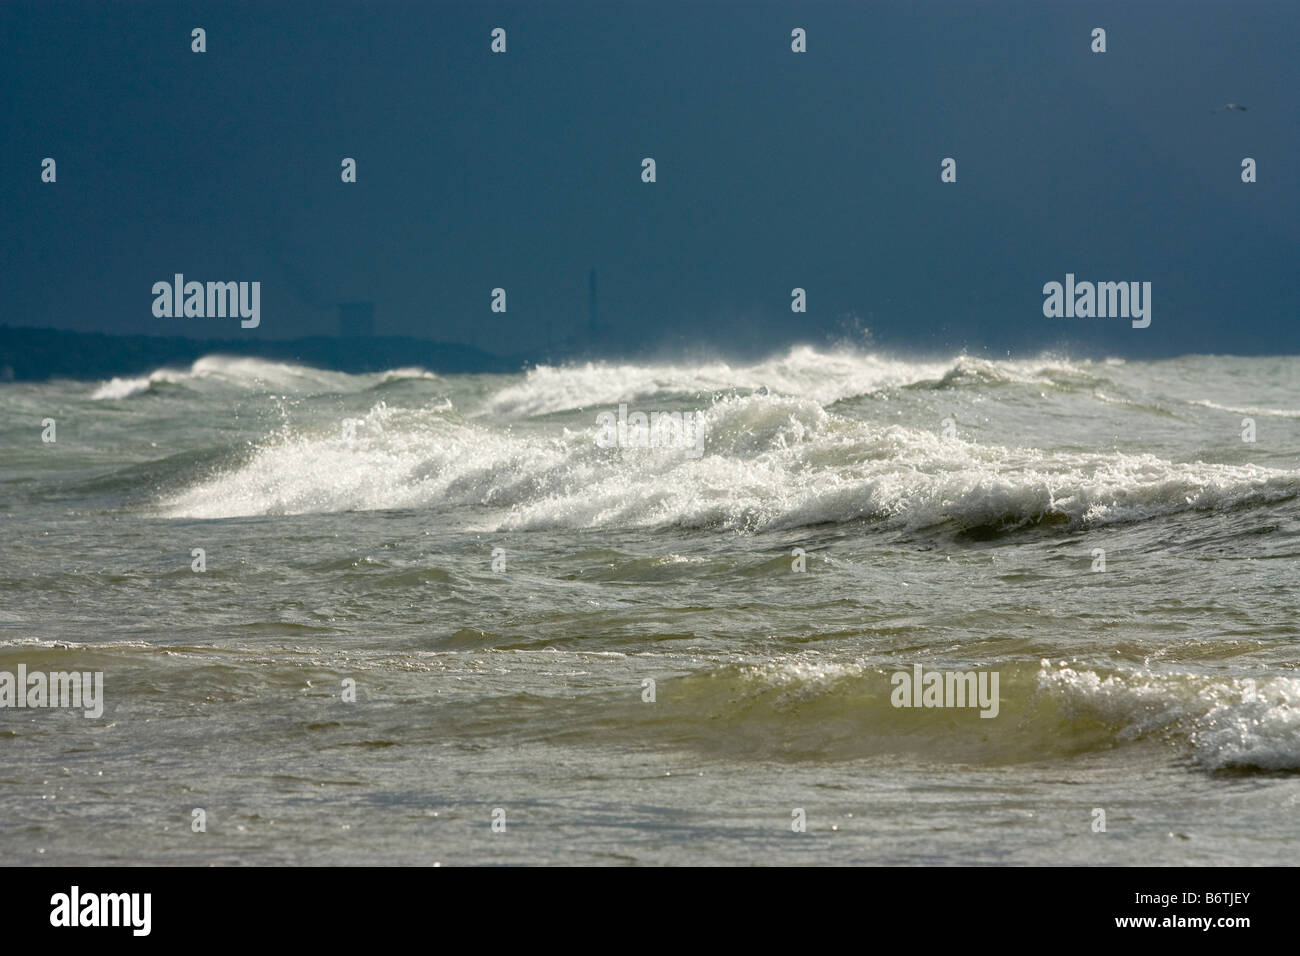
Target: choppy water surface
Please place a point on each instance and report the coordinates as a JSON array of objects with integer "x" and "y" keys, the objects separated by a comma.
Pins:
[{"x": 949, "y": 512}]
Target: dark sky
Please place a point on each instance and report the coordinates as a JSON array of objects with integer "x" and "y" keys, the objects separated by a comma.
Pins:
[{"x": 775, "y": 169}]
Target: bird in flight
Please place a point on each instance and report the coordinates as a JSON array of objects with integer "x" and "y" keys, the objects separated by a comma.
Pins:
[{"x": 1230, "y": 106}]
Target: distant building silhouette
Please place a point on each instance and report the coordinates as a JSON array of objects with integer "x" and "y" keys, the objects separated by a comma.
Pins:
[{"x": 356, "y": 320}]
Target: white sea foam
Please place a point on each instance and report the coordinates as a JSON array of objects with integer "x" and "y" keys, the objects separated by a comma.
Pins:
[
  {"x": 1250, "y": 410},
  {"x": 770, "y": 462},
  {"x": 803, "y": 372},
  {"x": 253, "y": 374},
  {"x": 119, "y": 388},
  {"x": 1228, "y": 722}
]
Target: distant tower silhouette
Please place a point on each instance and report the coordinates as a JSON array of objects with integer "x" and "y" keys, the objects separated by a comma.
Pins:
[
  {"x": 593, "y": 316},
  {"x": 356, "y": 320}
]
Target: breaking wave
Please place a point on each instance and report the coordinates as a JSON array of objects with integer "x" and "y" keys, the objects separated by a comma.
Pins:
[
  {"x": 803, "y": 372},
  {"x": 805, "y": 709},
  {"x": 249, "y": 374},
  {"x": 768, "y": 462}
]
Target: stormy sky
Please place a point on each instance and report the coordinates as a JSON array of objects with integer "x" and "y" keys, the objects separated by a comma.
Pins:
[{"x": 775, "y": 170}]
